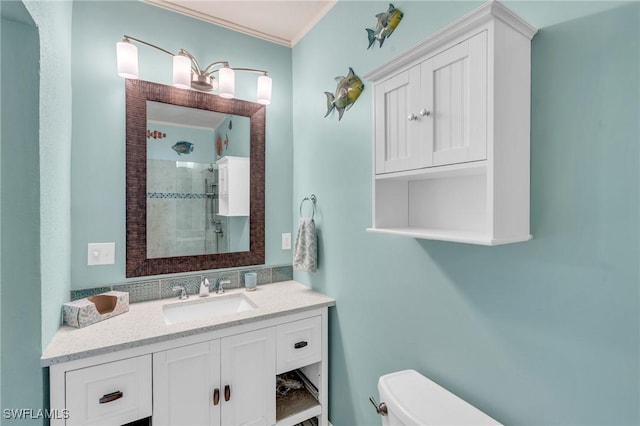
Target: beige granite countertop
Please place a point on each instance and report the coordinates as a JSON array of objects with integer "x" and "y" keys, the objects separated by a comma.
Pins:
[{"x": 144, "y": 323}]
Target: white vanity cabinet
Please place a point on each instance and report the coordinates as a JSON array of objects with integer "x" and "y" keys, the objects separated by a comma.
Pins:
[
  {"x": 226, "y": 376},
  {"x": 227, "y": 381},
  {"x": 451, "y": 133},
  {"x": 233, "y": 186}
]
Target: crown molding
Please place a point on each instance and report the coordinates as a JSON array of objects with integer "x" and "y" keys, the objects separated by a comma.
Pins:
[{"x": 241, "y": 28}]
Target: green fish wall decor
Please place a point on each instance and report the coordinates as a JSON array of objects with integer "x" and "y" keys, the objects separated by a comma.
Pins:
[
  {"x": 347, "y": 92},
  {"x": 387, "y": 22}
]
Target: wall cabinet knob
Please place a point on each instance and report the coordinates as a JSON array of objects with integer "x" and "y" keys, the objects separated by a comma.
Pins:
[
  {"x": 412, "y": 117},
  {"x": 424, "y": 112}
]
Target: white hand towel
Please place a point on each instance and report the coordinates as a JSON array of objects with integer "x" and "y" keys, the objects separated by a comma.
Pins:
[{"x": 305, "y": 254}]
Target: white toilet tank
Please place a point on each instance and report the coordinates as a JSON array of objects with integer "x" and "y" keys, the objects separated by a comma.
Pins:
[{"x": 412, "y": 399}]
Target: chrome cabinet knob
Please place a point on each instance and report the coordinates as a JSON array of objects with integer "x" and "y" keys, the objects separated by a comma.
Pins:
[
  {"x": 424, "y": 113},
  {"x": 412, "y": 117}
]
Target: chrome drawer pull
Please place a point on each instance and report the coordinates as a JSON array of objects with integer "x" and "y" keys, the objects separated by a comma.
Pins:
[
  {"x": 300, "y": 345},
  {"x": 110, "y": 397}
]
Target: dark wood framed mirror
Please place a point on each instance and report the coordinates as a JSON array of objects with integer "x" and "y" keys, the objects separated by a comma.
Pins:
[{"x": 138, "y": 262}]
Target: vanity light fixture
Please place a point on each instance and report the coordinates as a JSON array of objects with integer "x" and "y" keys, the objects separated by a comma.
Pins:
[{"x": 187, "y": 73}]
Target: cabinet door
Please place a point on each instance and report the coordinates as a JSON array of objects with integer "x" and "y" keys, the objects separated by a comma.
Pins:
[
  {"x": 184, "y": 384},
  {"x": 398, "y": 145},
  {"x": 248, "y": 370},
  {"x": 223, "y": 182},
  {"x": 458, "y": 77}
]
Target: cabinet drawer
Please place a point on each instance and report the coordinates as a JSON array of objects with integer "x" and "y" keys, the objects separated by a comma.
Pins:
[
  {"x": 299, "y": 344},
  {"x": 114, "y": 393}
]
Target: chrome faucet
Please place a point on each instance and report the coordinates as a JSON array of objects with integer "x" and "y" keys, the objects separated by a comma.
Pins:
[
  {"x": 219, "y": 287},
  {"x": 183, "y": 292}
]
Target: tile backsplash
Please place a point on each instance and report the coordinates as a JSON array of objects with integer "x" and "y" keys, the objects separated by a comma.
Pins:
[{"x": 142, "y": 291}]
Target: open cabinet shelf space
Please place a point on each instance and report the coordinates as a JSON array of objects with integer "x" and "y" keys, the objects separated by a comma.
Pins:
[{"x": 297, "y": 405}]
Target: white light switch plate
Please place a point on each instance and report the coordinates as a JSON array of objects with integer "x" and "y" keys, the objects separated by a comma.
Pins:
[
  {"x": 286, "y": 241},
  {"x": 101, "y": 254}
]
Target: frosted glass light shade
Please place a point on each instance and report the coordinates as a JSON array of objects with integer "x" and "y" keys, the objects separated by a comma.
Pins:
[
  {"x": 127, "y": 56},
  {"x": 227, "y": 83},
  {"x": 264, "y": 90},
  {"x": 181, "y": 72}
]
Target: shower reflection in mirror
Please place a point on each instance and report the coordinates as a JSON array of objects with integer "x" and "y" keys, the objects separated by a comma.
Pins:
[{"x": 183, "y": 187}]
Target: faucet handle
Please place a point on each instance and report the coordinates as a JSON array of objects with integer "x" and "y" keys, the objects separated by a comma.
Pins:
[
  {"x": 183, "y": 292},
  {"x": 220, "y": 282}
]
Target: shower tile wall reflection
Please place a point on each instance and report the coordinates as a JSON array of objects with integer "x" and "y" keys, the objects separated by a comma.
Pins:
[{"x": 181, "y": 206}]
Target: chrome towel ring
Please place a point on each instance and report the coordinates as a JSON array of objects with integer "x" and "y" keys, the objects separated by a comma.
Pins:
[{"x": 313, "y": 199}]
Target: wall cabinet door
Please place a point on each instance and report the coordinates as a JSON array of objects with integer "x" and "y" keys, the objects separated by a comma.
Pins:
[
  {"x": 458, "y": 79},
  {"x": 434, "y": 113},
  {"x": 398, "y": 138},
  {"x": 229, "y": 381}
]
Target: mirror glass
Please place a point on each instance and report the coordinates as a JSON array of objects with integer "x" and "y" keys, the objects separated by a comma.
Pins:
[
  {"x": 195, "y": 180},
  {"x": 184, "y": 146}
]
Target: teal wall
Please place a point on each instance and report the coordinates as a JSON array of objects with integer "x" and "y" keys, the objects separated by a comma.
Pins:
[
  {"x": 543, "y": 332},
  {"x": 237, "y": 135},
  {"x": 20, "y": 320},
  {"x": 34, "y": 249},
  {"x": 53, "y": 20},
  {"x": 98, "y": 153},
  {"x": 1, "y": 20}
]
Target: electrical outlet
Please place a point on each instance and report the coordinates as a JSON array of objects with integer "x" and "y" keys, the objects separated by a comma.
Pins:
[
  {"x": 286, "y": 241},
  {"x": 101, "y": 254}
]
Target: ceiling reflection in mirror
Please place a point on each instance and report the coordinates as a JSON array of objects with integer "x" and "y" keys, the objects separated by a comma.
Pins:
[{"x": 188, "y": 152}]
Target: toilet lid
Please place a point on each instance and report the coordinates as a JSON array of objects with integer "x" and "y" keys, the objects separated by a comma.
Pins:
[{"x": 416, "y": 400}]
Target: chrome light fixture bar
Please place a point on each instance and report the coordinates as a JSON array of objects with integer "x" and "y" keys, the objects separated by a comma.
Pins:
[{"x": 188, "y": 74}]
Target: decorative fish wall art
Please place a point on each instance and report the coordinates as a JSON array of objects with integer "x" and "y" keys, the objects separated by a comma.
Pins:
[
  {"x": 219, "y": 145},
  {"x": 347, "y": 92},
  {"x": 183, "y": 147},
  {"x": 156, "y": 134},
  {"x": 387, "y": 22}
]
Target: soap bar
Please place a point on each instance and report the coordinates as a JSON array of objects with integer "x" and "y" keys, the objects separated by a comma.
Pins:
[{"x": 90, "y": 310}]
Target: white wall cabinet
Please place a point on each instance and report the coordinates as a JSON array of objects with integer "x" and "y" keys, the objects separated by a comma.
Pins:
[
  {"x": 233, "y": 184},
  {"x": 451, "y": 133},
  {"x": 226, "y": 381}
]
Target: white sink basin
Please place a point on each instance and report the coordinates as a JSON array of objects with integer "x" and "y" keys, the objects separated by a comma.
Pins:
[{"x": 214, "y": 306}]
